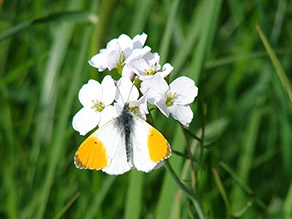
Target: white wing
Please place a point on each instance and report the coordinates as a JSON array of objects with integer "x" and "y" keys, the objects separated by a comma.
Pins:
[
  {"x": 115, "y": 147},
  {"x": 149, "y": 146},
  {"x": 113, "y": 160}
]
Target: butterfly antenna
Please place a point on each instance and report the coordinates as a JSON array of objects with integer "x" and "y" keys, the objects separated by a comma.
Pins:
[
  {"x": 133, "y": 84},
  {"x": 120, "y": 93}
]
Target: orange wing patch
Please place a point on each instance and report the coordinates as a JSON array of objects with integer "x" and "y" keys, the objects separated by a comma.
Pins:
[
  {"x": 91, "y": 154},
  {"x": 158, "y": 146}
]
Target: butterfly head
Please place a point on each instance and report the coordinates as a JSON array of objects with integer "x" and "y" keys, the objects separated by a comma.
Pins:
[{"x": 126, "y": 107}]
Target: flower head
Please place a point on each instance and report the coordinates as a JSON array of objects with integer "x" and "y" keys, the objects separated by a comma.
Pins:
[
  {"x": 128, "y": 93},
  {"x": 171, "y": 99},
  {"x": 147, "y": 65},
  {"x": 95, "y": 99},
  {"x": 116, "y": 52}
]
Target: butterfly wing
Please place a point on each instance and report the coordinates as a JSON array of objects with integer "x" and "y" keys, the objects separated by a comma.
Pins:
[
  {"x": 104, "y": 150},
  {"x": 149, "y": 146}
]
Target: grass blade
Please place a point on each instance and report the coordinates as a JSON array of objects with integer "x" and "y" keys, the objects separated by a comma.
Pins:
[
  {"x": 247, "y": 155},
  {"x": 75, "y": 16},
  {"x": 168, "y": 189},
  {"x": 206, "y": 38},
  {"x": 134, "y": 195},
  {"x": 15, "y": 73},
  {"x": 72, "y": 200},
  {"x": 221, "y": 189},
  {"x": 64, "y": 114},
  {"x": 15, "y": 29},
  {"x": 189, "y": 193},
  {"x": 71, "y": 16},
  {"x": 141, "y": 16},
  {"x": 165, "y": 41},
  {"x": 279, "y": 69},
  {"x": 96, "y": 203},
  {"x": 241, "y": 182},
  {"x": 288, "y": 203}
]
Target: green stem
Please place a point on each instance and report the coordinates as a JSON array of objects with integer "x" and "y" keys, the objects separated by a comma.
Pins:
[
  {"x": 192, "y": 135},
  {"x": 190, "y": 157},
  {"x": 185, "y": 156},
  {"x": 202, "y": 137},
  {"x": 194, "y": 198}
]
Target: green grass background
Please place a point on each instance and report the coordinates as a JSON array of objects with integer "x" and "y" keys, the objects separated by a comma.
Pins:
[{"x": 243, "y": 88}]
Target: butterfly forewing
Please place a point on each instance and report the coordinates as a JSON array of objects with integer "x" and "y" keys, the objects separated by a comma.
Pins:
[
  {"x": 105, "y": 150},
  {"x": 149, "y": 146}
]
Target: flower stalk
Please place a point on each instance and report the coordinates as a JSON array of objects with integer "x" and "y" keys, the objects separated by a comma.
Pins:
[{"x": 194, "y": 198}]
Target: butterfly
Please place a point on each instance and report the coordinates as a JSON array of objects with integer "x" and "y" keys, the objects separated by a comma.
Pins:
[{"x": 121, "y": 144}]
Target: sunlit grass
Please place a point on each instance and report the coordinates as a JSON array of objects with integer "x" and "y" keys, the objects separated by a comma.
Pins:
[{"x": 244, "y": 80}]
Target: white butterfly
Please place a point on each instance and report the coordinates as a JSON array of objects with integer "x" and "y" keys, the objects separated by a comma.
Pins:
[{"x": 121, "y": 144}]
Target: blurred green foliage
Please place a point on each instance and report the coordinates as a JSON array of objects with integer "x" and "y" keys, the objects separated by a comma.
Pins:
[{"x": 44, "y": 48}]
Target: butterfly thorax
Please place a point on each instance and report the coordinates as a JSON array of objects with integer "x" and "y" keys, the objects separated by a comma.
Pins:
[{"x": 125, "y": 123}]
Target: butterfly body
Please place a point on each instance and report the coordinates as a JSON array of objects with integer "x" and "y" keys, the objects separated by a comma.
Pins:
[
  {"x": 125, "y": 124},
  {"x": 121, "y": 144}
]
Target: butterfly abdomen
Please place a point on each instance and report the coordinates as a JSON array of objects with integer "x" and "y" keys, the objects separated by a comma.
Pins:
[{"x": 125, "y": 123}]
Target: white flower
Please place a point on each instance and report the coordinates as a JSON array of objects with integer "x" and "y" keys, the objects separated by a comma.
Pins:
[
  {"x": 171, "y": 99},
  {"x": 146, "y": 65},
  {"x": 127, "y": 92},
  {"x": 116, "y": 52},
  {"x": 96, "y": 99},
  {"x": 129, "y": 64}
]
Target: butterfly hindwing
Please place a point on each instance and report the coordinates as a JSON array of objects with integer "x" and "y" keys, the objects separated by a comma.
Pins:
[
  {"x": 149, "y": 146},
  {"x": 105, "y": 150}
]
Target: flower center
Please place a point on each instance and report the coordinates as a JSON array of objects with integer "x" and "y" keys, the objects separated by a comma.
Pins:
[
  {"x": 134, "y": 109},
  {"x": 152, "y": 70},
  {"x": 97, "y": 106},
  {"x": 169, "y": 98},
  {"x": 120, "y": 64}
]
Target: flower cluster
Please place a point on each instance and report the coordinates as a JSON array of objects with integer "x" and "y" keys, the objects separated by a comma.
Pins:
[{"x": 135, "y": 63}]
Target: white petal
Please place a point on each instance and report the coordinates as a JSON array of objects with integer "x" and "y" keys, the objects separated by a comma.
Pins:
[
  {"x": 162, "y": 107},
  {"x": 139, "y": 66},
  {"x": 98, "y": 61},
  {"x": 134, "y": 93},
  {"x": 142, "y": 107},
  {"x": 107, "y": 114},
  {"x": 185, "y": 90},
  {"x": 142, "y": 103},
  {"x": 125, "y": 44},
  {"x": 118, "y": 107},
  {"x": 149, "y": 60},
  {"x": 112, "y": 59},
  {"x": 152, "y": 59},
  {"x": 182, "y": 113},
  {"x": 127, "y": 72},
  {"x": 138, "y": 54},
  {"x": 108, "y": 90},
  {"x": 145, "y": 77},
  {"x": 166, "y": 69},
  {"x": 89, "y": 92},
  {"x": 139, "y": 40},
  {"x": 127, "y": 91},
  {"x": 154, "y": 88},
  {"x": 112, "y": 45},
  {"x": 85, "y": 120}
]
